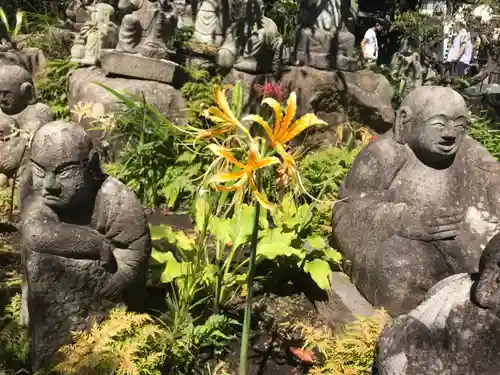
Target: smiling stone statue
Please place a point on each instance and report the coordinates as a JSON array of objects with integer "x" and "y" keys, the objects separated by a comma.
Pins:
[
  {"x": 419, "y": 203},
  {"x": 85, "y": 240}
]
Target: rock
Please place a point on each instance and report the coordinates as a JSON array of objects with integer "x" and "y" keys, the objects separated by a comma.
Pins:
[
  {"x": 81, "y": 88},
  {"x": 344, "y": 303},
  {"x": 142, "y": 67}
]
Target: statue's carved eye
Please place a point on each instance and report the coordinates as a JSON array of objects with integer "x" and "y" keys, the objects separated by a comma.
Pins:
[
  {"x": 460, "y": 127},
  {"x": 37, "y": 171}
]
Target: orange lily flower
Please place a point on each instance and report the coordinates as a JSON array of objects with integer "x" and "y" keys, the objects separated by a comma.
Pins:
[
  {"x": 222, "y": 116},
  {"x": 284, "y": 131},
  {"x": 245, "y": 175}
]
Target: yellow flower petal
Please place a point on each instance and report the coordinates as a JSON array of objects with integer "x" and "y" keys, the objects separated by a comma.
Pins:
[
  {"x": 301, "y": 124},
  {"x": 288, "y": 159},
  {"x": 263, "y": 123},
  {"x": 225, "y": 177},
  {"x": 214, "y": 131},
  {"x": 225, "y": 153},
  {"x": 278, "y": 112},
  {"x": 266, "y": 162},
  {"x": 291, "y": 108},
  {"x": 236, "y": 187},
  {"x": 260, "y": 198}
]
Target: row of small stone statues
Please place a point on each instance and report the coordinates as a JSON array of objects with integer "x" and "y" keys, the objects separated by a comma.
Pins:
[
  {"x": 85, "y": 240},
  {"x": 249, "y": 42},
  {"x": 418, "y": 221}
]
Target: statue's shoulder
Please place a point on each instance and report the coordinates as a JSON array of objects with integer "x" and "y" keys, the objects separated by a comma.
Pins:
[
  {"x": 113, "y": 192},
  {"x": 384, "y": 150}
]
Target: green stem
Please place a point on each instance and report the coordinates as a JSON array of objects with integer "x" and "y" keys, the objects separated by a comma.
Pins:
[{"x": 245, "y": 337}]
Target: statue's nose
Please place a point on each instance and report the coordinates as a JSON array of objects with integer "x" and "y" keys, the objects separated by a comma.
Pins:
[
  {"x": 449, "y": 133},
  {"x": 50, "y": 184}
]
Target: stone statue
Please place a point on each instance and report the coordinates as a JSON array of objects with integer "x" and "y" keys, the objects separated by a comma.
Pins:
[
  {"x": 97, "y": 33},
  {"x": 419, "y": 203},
  {"x": 321, "y": 41},
  {"x": 253, "y": 43},
  {"x": 20, "y": 114},
  {"x": 149, "y": 29},
  {"x": 213, "y": 18},
  {"x": 78, "y": 12},
  {"x": 455, "y": 330},
  {"x": 85, "y": 240}
]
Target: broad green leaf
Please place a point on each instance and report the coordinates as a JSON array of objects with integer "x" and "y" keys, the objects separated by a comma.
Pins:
[
  {"x": 173, "y": 270},
  {"x": 221, "y": 228},
  {"x": 316, "y": 242},
  {"x": 274, "y": 250},
  {"x": 202, "y": 211},
  {"x": 242, "y": 225},
  {"x": 160, "y": 257},
  {"x": 333, "y": 255},
  {"x": 320, "y": 272},
  {"x": 159, "y": 232}
]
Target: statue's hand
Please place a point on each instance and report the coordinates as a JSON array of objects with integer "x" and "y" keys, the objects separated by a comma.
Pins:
[{"x": 435, "y": 226}]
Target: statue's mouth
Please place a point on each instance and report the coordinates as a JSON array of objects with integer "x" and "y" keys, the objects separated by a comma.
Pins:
[
  {"x": 447, "y": 146},
  {"x": 52, "y": 199}
]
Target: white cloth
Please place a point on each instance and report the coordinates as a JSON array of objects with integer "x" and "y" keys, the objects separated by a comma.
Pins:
[
  {"x": 463, "y": 37},
  {"x": 371, "y": 45}
]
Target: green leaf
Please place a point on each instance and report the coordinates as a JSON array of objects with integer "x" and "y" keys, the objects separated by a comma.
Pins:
[
  {"x": 320, "y": 272},
  {"x": 316, "y": 242},
  {"x": 333, "y": 255},
  {"x": 159, "y": 232},
  {"x": 275, "y": 243}
]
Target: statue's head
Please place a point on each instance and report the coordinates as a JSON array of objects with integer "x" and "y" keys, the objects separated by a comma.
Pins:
[
  {"x": 65, "y": 167},
  {"x": 16, "y": 89},
  {"x": 103, "y": 13},
  {"x": 433, "y": 121},
  {"x": 486, "y": 291}
]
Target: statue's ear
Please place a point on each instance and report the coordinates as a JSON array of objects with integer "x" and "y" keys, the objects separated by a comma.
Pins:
[
  {"x": 401, "y": 123},
  {"x": 28, "y": 92},
  {"x": 95, "y": 166}
]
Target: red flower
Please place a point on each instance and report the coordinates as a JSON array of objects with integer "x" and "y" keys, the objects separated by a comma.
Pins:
[
  {"x": 270, "y": 89},
  {"x": 372, "y": 138}
]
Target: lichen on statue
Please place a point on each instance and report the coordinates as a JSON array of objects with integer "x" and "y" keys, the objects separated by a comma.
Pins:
[
  {"x": 253, "y": 43},
  {"x": 455, "y": 330},
  {"x": 84, "y": 237},
  {"x": 418, "y": 204},
  {"x": 148, "y": 29}
]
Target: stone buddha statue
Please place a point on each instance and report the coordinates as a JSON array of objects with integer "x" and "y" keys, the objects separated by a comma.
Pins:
[
  {"x": 253, "y": 43},
  {"x": 211, "y": 22},
  {"x": 419, "y": 204},
  {"x": 96, "y": 34},
  {"x": 148, "y": 29},
  {"x": 321, "y": 40}
]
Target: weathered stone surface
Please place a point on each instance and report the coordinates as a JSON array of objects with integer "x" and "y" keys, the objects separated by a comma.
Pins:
[
  {"x": 345, "y": 303},
  {"x": 455, "y": 330},
  {"x": 84, "y": 237},
  {"x": 167, "y": 99},
  {"x": 138, "y": 66},
  {"x": 419, "y": 204}
]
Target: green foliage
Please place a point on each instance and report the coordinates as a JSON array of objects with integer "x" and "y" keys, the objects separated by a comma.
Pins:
[
  {"x": 285, "y": 13},
  {"x": 483, "y": 131},
  {"x": 14, "y": 346},
  {"x": 323, "y": 171},
  {"x": 51, "y": 86},
  {"x": 136, "y": 344},
  {"x": 422, "y": 28},
  {"x": 12, "y": 30},
  {"x": 350, "y": 352},
  {"x": 199, "y": 94}
]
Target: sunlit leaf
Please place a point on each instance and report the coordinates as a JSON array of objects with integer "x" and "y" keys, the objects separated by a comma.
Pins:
[{"x": 320, "y": 272}]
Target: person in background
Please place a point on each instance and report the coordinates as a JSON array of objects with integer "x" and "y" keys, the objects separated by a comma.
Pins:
[
  {"x": 369, "y": 44},
  {"x": 460, "y": 54}
]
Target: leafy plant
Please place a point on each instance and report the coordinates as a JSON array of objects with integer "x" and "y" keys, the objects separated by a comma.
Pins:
[
  {"x": 350, "y": 352},
  {"x": 483, "y": 131},
  {"x": 14, "y": 345},
  {"x": 51, "y": 86},
  {"x": 11, "y": 31},
  {"x": 285, "y": 13}
]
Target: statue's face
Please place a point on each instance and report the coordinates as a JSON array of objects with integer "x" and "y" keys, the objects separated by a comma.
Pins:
[
  {"x": 12, "y": 100},
  {"x": 440, "y": 132},
  {"x": 61, "y": 183}
]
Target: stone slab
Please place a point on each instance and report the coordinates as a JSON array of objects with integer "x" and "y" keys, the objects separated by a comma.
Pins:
[
  {"x": 138, "y": 66},
  {"x": 345, "y": 303}
]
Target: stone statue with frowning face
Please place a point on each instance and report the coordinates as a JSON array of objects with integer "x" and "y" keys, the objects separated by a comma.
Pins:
[{"x": 85, "y": 240}]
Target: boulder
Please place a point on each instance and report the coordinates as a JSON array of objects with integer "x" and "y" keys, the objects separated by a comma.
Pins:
[{"x": 82, "y": 89}]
